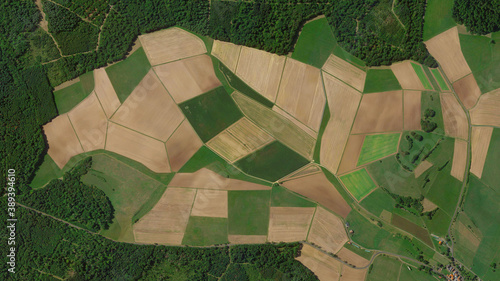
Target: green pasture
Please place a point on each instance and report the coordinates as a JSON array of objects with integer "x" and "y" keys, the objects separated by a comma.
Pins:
[
  {"x": 445, "y": 190},
  {"x": 69, "y": 97},
  {"x": 432, "y": 100},
  {"x": 205, "y": 231},
  {"x": 366, "y": 233},
  {"x": 414, "y": 274},
  {"x": 322, "y": 127},
  {"x": 46, "y": 172},
  {"x": 282, "y": 197},
  {"x": 439, "y": 223},
  {"x": 414, "y": 151},
  {"x": 359, "y": 183},
  {"x": 421, "y": 75},
  {"x": 490, "y": 175},
  {"x": 378, "y": 146},
  {"x": 440, "y": 80},
  {"x": 380, "y": 80},
  {"x": 438, "y": 17},
  {"x": 384, "y": 269},
  {"x": 377, "y": 201},
  {"x": 248, "y": 212},
  {"x": 127, "y": 74},
  {"x": 315, "y": 43}
]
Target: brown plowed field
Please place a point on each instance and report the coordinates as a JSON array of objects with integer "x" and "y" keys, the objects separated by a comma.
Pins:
[
  {"x": 351, "y": 274},
  {"x": 459, "y": 159},
  {"x": 210, "y": 203},
  {"x": 206, "y": 179},
  {"x": 150, "y": 110},
  {"x": 352, "y": 258},
  {"x": 351, "y": 153},
  {"x": 247, "y": 239},
  {"x": 318, "y": 188},
  {"x": 325, "y": 267},
  {"x": 327, "y": 231},
  {"x": 345, "y": 71},
  {"x": 486, "y": 111},
  {"x": 188, "y": 78},
  {"x": 481, "y": 137},
  {"x": 182, "y": 145},
  {"x": 422, "y": 167},
  {"x": 428, "y": 205},
  {"x": 407, "y": 76},
  {"x": 412, "y": 110},
  {"x": 289, "y": 224},
  {"x": 227, "y": 53},
  {"x": 379, "y": 112},
  {"x": 467, "y": 90},
  {"x": 105, "y": 92},
  {"x": 62, "y": 139},
  {"x": 455, "y": 120}
]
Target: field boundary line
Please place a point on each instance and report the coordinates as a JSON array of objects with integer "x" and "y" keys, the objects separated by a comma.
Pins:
[
  {"x": 190, "y": 57},
  {"x": 190, "y": 212},
  {"x": 345, "y": 82},
  {"x": 111, "y": 121},
  {"x": 297, "y": 120},
  {"x": 176, "y": 128},
  {"x": 301, "y": 176},
  {"x": 106, "y": 135},
  {"x": 295, "y": 171},
  {"x": 312, "y": 219},
  {"x": 168, "y": 158},
  {"x": 281, "y": 79},
  {"x": 71, "y": 123},
  {"x": 236, "y": 66}
]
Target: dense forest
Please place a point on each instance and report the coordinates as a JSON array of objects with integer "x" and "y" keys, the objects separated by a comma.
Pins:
[
  {"x": 72, "y": 200},
  {"x": 479, "y": 16},
  {"x": 46, "y": 248}
]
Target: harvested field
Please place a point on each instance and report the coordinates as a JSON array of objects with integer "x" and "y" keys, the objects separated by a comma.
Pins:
[
  {"x": 228, "y": 146},
  {"x": 351, "y": 153},
  {"x": 480, "y": 142},
  {"x": 278, "y": 126},
  {"x": 428, "y": 205},
  {"x": 455, "y": 121},
  {"x": 467, "y": 90},
  {"x": 406, "y": 76},
  {"x": 247, "y": 239},
  {"x": 150, "y": 110},
  {"x": 307, "y": 170},
  {"x": 62, "y": 139},
  {"x": 412, "y": 110},
  {"x": 422, "y": 167},
  {"x": 295, "y": 121},
  {"x": 210, "y": 203},
  {"x": 352, "y": 258},
  {"x": 318, "y": 188},
  {"x": 469, "y": 236},
  {"x": 171, "y": 44},
  {"x": 345, "y": 71},
  {"x": 379, "y": 112},
  {"x": 486, "y": 111},
  {"x": 105, "y": 92},
  {"x": 145, "y": 150},
  {"x": 359, "y": 183},
  {"x": 351, "y": 274},
  {"x": 167, "y": 221},
  {"x": 261, "y": 71},
  {"x": 327, "y": 231},
  {"x": 325, "y": 267},
  {"x": 188, "y": 78},
  {"x": 183, "y": 144},
  {"x": 90, "y": 123},
  {"x": 206, "y": 179},
  {"x": 459, "y": 159},
  {"x": 445, "y": 48},
  {"x": 343, "y": 103},
  {"x": 227, "y": 53},
  {"x": 289, "y": 224},
  {"x": 301, "y": 93}
]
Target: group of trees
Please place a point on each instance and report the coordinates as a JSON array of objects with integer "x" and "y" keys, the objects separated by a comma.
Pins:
[
  {"x": 413, "y": 205},
  {"x": 427, "y": 123},
  {"x": 479, "y": 16}
]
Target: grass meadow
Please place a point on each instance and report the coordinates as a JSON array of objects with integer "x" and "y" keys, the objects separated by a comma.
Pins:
[
  {"x": 205, "y": 231},
  {"x": 378, "y": 146},
  {"x": 421, "y": 75},
  {"x": 248, "y": 212},
  {"x": 359, "y": 183},
  {"x": 282, "y": 197},
  {"x": 69, "y": 97},
  {"x": 315, "y": 43},
  {"x": 438, "y": 17},
  {"x": 381, "y": 80}
]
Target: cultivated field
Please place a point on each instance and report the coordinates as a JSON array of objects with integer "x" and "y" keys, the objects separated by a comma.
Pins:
[
  {"x": 228, "y": 146},
  {"x": 351, "y": 274},
  {"x": 343, "y": 103},
  {"x": 379, "y": 112},
  {"x": 150, "y": 110},
  {"x": 325, "y": 267},
  {"x": 167, "y": 221},
  {"x": 182, "y": 145},
  {"x": 188, "y": 78},
  {"x": 351, "y": 153},
  {"x": 301, "y": 93},
  {"x": 345, "y": 71},
  {"x": 247, "y": 239},
  {"x": 327, "y": 231},
  {"x": 407, "y": 76},
  {"x": 261, "y": 71},
  {"x": 445, "y": 48},
  {"x": 227, "y": 53},
  {"x": 105, "y": 92},
  {"x": 278, "y": 126},
  {"x": 206, "y": 179},
  {"x": 307, "y": 170},
  {"x": 384, "y": 268},
  {"x": 486, "y": 111},
  {"x": 318, "y": 188},
  {"x": 412, "y": 109},
  {"x": 288, "y": 224},
  {"x": 480, "y": 143},
  {"x": 459, "y": 159},
  {"x": 378, "y": 146},
  {"x": 412, "y": 228},
  {"x": 62, "y": 139},
  {"x": 205, "y": 231},
  {"x": 248, "y": 212},
  {"x": 282, "y": 197},
  {"x": 455, "y": 120},
  {"x": 171, "y": 44},
  {"x": 467, "y": 90},
  {"x": 90, "y": 123},
  {"x": 422, "y": 76},
  {"x": 422, "y": 167},
  {"x": 359, "y": 183},
  {"x": 210, "y": 203},
  {"x": 440, "y": 80},
  {"x": 352, "y": 258},
  {"x": 145, "y": 150},
  {"x": 467, "y": 243},
  {"x": 428, "y": 205},
  {"x": 380, "y": 80},
  {"x": 295, "y": 121},
  {"x": 69, "y": 96}
]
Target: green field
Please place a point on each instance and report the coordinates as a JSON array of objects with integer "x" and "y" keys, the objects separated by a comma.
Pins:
[
  {"x": 412, "y": 228},
  {"x": 439, "y": 78},
  {"x": 315, "y": 43},
  {"x": 483, "y": 58},
  {"x": 366, "y": 233},
  {"x": 414, "y": 275},
  {"x": 439, "y": 223},
  {"x": 490, "y": 174},
  {"x": 272, "y": 162},
  {"x": 378, "y": 146},
  {"x": 205, "y": 231},
  {"x": 438, "y": 17},
  {"x": 413, "y": 151},
  {"x": 69, "y": 97},
  {"x": 445, "y": 191},
  {"x": 322, "y": 127},
  {"x": 377, "y": 201},
  {"x": 282, "y": 197},
  {"x": 421, "y": 75},
  {"x": 131, "y": 192},
  {"x": 211, "y": 113},
  {"x": 88, "y": 82},
  {"x": 384, "y": 269},
  {"x": 359, "y": 183},
  {"x": 47, "y": 171},
  {"x": 432, "y": 100},
  {"x": 127, "y": 74},
  {"x": 248, "y": 212},
  {"x": 380, "y": 80}
]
